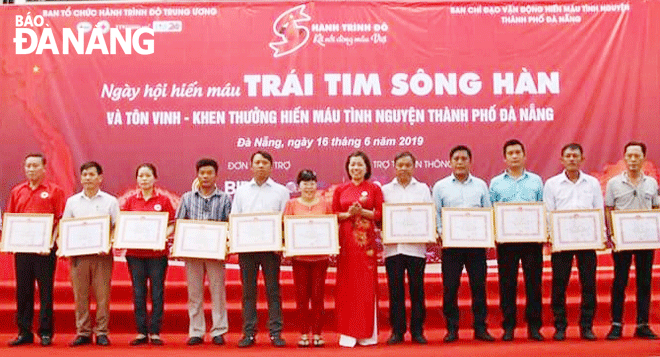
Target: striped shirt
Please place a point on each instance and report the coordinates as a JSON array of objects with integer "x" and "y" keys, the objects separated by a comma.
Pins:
[{"x": 195, "y": 206}]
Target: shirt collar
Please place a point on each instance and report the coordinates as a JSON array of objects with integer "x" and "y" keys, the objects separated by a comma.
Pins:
[
  {"x": 268, "y": 182},
  {"x": 84, "y": 196},
  {"x": 582, "y": 177},
  {"x": 215, "y": 193},
  {"x": 626, "y": 179},
  {"x": 454, "y": 179},
  {"x": 153, "y": 195},
  {"x": 412, "y": 182},
  {"x": 524, "y": 175}
]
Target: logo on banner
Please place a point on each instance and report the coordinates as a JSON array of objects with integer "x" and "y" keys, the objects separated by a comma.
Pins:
[{"x": 289, "y": 28}]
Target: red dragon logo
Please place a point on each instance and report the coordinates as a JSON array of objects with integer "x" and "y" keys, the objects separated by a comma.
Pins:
[{"x": 290, "y": 32}]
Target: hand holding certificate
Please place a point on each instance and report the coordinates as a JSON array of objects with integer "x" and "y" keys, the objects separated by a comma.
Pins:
[
  {"x": 636, "y": 229},
  {"x": 467, "y": 228},
  {"x": 200, "y": 239},
  {"x": 84, "y": 236},
  {"x": 577, "y": 230},
  {"x": 520, "y": 222},
  {"x": 311, "y": 235},
  {"x": 409, "y": 223},
  {"x": 255, "y": 232},
  {"x": 27, "y": 233},
  {"x": 141, "y": 230}
]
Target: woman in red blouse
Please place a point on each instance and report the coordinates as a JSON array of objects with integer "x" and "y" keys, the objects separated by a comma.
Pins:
[
  {"x": 148, "y": 264},
  {"x": 309, "y": 271},
  {"x": 358, "y": 207}
]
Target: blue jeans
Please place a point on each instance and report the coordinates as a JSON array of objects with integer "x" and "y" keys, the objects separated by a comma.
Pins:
[{"x": 143, "y": 269}]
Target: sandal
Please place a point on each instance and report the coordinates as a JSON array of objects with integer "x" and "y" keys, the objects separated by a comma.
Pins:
[
  {"x": 304, "y": 341},
  {"x": 318, "y": 341}
]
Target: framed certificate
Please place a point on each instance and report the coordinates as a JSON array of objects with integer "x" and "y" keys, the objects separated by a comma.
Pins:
[
  {"x": 84, "y": 236},
  {"x": 409, "y": 223},
  {"x": 255, "y": 232},
  {"x": 200, "y": 239},
  {"x": 467, "y": 228},
  {"x": 311, "y": 235},
  {"x": 521, "y": 222},
  {"x": 141, "y": 230},
  {"x": 636, "y": 229},
  {"x": 577, "y": 230},
  {"x": 27, "y": 233}
]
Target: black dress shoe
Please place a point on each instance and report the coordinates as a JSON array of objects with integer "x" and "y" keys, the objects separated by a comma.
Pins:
[
  {"x": 587, "y": 334},
  {"x": 419, "y": 339},
  {"x": 81, "y": 341},
  {"x": 102, "y": 340},
  {"x": 559, "y": 335},
  {"x": 46, "y": 340},
  {"x": 218, "y": 340},
  {"x": 22, "y": 340},
  {"x": 193, "y": 341},
  {"x": 246, "y": 341},
  {"x": 483, "y": 335},
  {"x": 138, "y": 341},
  {"x": 615, "y": 333},
  {"x": 396, "y": 338},
  {"x": 156, "y": 341},
  {"x": 508, "y": 334},
  {"x": 645, "y": 332},
  {"x": 451, "y": 336},
  {"x": 534, "y": 334},
  {"x": 277, "y": 341}
]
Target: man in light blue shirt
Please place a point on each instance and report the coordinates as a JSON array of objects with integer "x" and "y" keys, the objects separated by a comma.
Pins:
[
  {"x": 519, "y": 185},
  {"x": 462, "y": 190}
]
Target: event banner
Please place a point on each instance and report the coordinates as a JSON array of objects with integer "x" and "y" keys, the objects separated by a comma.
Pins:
[{"x": 310, "y": 82}]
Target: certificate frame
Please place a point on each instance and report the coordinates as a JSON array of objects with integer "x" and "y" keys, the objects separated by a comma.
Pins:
[
  {"x": 184, "y": 227},
  {"x": 69, "y": 226},
  {"x": 392, "y": 235},
  {"x": 271, "y": 230},
  {"x": 293, "y": 226},
  {"x": 623, "y": 239},
  {"x": 482, "y": 218},
  {"x": 560, "y": 221},
  {"x": 41, "y": 223},
  {"x": 125, "y": 239},
  {"x": 535, "y": 233}
]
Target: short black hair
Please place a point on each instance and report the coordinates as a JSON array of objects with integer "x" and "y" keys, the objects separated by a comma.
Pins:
[
  {"x": 266, "y": 155},
  {"x": 625, "y": 148},
  {"x": 572, "y": 146},
  {"x": 306, "y": 175},
  {"x": 36, "y": 154},
  {"x": 366, "y": 160},
  {"x": 148, "y": 165},
  {"x": 460, "y": 148},
  {"x": 512, "y": 142},
  {"x": 89, "y": 165},
  {"x": 206, "y": 162},
  {"x": 405, "y": 154}
]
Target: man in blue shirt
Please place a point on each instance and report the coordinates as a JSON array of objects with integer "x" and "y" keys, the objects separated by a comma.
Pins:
[
  {"x": 462, "y": 190},
  {"x": 519, "y": 185}
]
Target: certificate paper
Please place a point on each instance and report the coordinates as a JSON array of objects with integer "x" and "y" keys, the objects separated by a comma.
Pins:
[
  {"x": 84, "y": 236},
  {"x": 311, "y": 235},
  {"x": 636, "y": 229},
  {"x": 577, "y": 230},
  {"x": 141, "y": 230},
  {"x": 409, "y": 223},
  {"x": 467, "y": 228},
  {"x": 255, "y": 232},
  {"x": 200, "y": 239},
  {"x": 27, "y": 233},
  {"x": 523, "y": 222}
]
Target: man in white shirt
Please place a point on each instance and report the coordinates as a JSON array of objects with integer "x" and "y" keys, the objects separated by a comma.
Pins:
[
  {"x": 91, "y": 271},
  {"x": 400, "y": 258},
  {"x": 261, "y": 195},
  {"x": 573, "y": 189}
]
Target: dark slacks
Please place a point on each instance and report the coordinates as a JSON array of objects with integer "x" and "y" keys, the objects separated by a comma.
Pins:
[
  {"x": 508, "y": 257},
  {"x": 396, "y": 267},
  {"x": 30, "y": 268},
  {"x": 643, "y": 268},
  {"x": 309, "y": 279},
  {"x": 474, "y": 260},
  {"x": 562, "y": 263},
  {"x": 270, "y": 265},
  {"x": 153, "y": 270}
]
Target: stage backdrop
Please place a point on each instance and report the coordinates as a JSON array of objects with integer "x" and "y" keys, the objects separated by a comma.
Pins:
[{"x": 310, "y": 82}]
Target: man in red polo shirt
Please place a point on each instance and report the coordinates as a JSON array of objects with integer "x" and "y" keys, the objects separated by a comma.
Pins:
[{"x": 35, "y": 196}]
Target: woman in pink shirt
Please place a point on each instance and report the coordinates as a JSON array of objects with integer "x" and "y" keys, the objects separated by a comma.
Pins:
[{"x": 309, "y": 271}]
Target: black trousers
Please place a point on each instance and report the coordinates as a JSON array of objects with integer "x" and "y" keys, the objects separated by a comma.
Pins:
[
  {"x": 474, "y": 260},
  {"x": 396, "y": 267},
  {"x": 508, "y": 257},
  {"x": 562, "y": 263},
  {"x": 30, "y": 268},
  {"x": 143, "y": 270},
  {"x": 270, "y": 265},
  {"x": 643, "y": 267}
]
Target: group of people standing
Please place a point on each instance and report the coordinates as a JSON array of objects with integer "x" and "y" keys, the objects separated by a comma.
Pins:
[{"x": 358, "y": 206}]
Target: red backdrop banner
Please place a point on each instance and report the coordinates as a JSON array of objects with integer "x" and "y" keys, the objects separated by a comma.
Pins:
[{"x": 310, "y": 82}]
